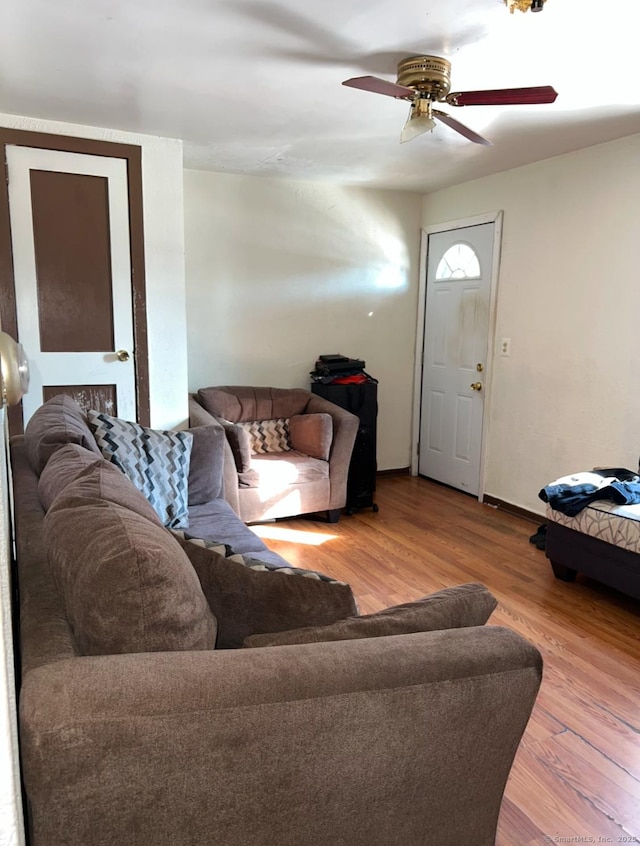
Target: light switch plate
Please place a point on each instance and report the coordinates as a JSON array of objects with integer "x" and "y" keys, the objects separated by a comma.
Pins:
[{"x": 505, "y": 346}]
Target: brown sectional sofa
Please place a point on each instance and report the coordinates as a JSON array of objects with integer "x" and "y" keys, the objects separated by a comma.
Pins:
[{"x": 132, "y": 733}]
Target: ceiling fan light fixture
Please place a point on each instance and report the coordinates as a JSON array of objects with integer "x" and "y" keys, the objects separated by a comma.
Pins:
[
  {"x": 419, "y": 121},
  {"x": 425, "y": 81},
  {"x": 525, "y": 5}
]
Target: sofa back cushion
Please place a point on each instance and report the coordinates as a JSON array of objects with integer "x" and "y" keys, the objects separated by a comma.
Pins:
[
  {"x": 249, "y": 596},
  {"x": 451, "y": 608},
  {"x": 64, "y": 466},
  {"x": 240, "y": 403},
  {"x": 156, "y": 461},
  {"x": 58, "y": 422},
  {"x": 125, "y": 583}
]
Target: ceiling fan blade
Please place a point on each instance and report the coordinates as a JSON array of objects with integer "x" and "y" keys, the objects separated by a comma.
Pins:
[
  {"x": 504, "y": 97},
  {"x": 379, "y": 86},
  {"x": 452, "y": 123}
]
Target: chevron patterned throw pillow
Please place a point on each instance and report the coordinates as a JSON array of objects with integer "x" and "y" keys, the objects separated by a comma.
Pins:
[
  {"x": 156, "y": 461},
  {"x": 267, "y": 436}
]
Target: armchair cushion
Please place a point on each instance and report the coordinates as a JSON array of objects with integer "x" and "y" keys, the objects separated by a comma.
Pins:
[
  {"x": 451, "y": 608},
  {"x": 125, "y": 583},
  {"x": 157, "y": 462},
  {"x": 312, "y": 434},
  {"x": 278, "y": 471},
  {"x": 249, "y": 596}
]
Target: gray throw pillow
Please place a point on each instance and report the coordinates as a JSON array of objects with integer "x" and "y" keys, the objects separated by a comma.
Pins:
[
  {"x": 451, "y": 608},
  {"x": 156, "y": 461},
  {"x": 206, "y": 464}
]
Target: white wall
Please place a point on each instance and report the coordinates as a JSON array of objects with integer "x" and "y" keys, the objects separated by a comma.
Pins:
[
  {"x": 279, "y": 272},
  {"x": 164, "y": 259},
  {"x": 567, "y": 398}
]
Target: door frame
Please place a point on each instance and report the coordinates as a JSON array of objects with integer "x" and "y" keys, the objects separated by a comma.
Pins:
[
  {"x": 8, "y": 316},
  {"x": 476, "y": 220}
]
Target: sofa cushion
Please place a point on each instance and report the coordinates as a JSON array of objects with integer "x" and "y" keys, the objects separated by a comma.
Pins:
[
  {"x": 126, "y": 584},
  {"x": 111, "y": 486},
  {"x": 156, "y": 461},
  {"x": 312, "y": 434},
  {"x": 274, "y": 473},
  {"x": 217, "y": 519},
  {"x": 268, "y": 436},
  {"x": 451, "y": 608},
  {"x": 206, "y": 466},
  {"x": 65, "y": 465},
  {"x": 57, "y": 422},
  {"x": 249, "y": 596}
]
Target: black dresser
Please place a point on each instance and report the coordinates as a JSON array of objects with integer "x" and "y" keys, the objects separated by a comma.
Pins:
[{"x": 361, "y": 400}]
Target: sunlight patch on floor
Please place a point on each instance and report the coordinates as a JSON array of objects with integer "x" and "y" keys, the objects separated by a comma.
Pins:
[{"x": 292, "y": 535}]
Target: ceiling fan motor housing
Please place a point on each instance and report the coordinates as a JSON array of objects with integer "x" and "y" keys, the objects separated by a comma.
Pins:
[{"x": 430, "y": 76}]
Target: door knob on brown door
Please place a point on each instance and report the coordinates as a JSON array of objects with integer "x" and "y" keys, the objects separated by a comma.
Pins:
[
  {"x": 476, "y": 386},
  {"x": 122, "y": 355}
]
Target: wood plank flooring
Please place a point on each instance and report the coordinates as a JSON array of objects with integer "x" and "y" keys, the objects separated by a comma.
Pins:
[{"x": 577, "y": 772}]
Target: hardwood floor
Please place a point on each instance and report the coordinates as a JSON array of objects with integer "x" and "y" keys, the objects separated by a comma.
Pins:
[{"x": 576, "y": 777}]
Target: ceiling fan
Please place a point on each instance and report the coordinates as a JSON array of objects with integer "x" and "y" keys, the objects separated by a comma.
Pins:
[{"x": 425, "y": 80}]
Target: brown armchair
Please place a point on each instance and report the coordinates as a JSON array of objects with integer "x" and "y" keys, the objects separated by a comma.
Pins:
[{"x": 287, "y": 452}]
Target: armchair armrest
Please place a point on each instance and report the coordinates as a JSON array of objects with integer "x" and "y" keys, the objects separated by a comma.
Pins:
[
  {"x": 345, "y": 428},
  {"x": 405, "y": 739}
]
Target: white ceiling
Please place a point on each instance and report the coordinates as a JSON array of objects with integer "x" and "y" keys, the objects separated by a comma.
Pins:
[{"x": 254, "y": 87}]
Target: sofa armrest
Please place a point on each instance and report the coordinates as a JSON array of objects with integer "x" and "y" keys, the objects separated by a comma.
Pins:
[
  {"x": 405, "y": 739},
  {"x": 345, "y": 428},
  {"x": 199, "y": 416}
]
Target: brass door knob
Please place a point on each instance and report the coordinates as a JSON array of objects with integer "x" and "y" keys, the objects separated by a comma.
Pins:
[
  {"x": 476, "y": 386},
  {"x": 122, "y": 355}
]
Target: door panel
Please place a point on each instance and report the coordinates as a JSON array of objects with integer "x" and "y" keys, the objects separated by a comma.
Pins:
[
  {"x": 435, "y": 431},
  {"x": 72, "y": 265},
  {"x": 72, "y": 244},
  {"x": 455, "y": 344},
  {"x": 100, "y": 397},
  {"x": 463, "y": 448}
]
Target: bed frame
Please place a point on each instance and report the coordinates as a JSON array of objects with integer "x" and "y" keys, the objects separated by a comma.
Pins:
[{"x": 572, "y": 552}]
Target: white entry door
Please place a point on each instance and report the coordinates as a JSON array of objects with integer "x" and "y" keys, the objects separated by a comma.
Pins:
[
  {"x": 458, "y": 289},
  {"x": 71, "y": 250}
]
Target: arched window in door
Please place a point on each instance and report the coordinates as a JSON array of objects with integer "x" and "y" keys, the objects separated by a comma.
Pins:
[{"x": 459, "y": 262}]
